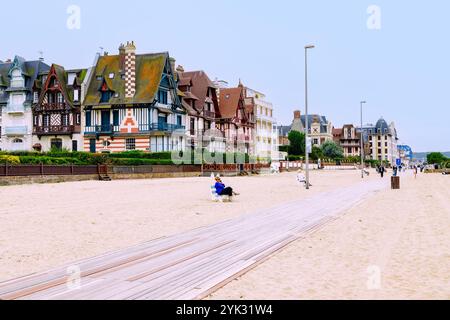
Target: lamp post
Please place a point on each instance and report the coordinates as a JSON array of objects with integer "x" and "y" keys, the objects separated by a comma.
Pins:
[
  {"x": 306, "y": 114},
  {"x": 362, "y": 141}
]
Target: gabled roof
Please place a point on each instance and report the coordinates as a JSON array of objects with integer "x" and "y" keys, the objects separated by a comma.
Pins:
[
  {"x": 149, "y": 71},
  {"x": 30, "y": 70},
  {"x": 200, "y": 83},
  {"x": 229, "y": 102},
  {"x": 62, "y": 77}
]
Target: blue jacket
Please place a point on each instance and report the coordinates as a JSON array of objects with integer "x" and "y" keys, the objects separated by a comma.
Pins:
[{"x": 219, "y": 187}]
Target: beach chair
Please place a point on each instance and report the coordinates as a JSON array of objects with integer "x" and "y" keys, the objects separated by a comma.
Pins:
[
  {"x": 218, "y": 198},
  {"x": 302, "y": 179}
]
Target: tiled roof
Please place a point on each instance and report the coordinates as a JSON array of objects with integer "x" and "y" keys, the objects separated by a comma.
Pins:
[
  {"x": 200, "y": 83},
  {"x": 30, "y": 70},
  {"x": 149, "y": 70},
  {"x": 229, "y": 102}
]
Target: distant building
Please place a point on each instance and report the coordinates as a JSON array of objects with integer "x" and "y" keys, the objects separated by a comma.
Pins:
[
  {"x": 283, "y": 135},
  {"x": 349, "y": 139},
  {"x": 381, "y": 141},
  {"x": 405, "y": 154},
  {"x": 266, "y": 136},
  {"x": 320, "y": 129}
]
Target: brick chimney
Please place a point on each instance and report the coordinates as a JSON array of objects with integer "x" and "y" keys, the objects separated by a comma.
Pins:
[
  {"x": 122, "y": 58},
  {"x": 130, "y": 70},
  {"x": 297, "y": 114},
  {"x": 172, "y": 62}
]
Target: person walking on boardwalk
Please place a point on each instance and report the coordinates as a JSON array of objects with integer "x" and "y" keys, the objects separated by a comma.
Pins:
[
  {"x": 223, "y": 190},
  {"x": 382, "y": 171},
  {"x": 415, "y": 172}
]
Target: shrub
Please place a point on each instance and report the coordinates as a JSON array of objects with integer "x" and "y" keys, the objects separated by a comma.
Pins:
[
  {"x": 139, "y": 162},
  {"x": 9, "y": 159},
  {"x": 49, "y": 160}
]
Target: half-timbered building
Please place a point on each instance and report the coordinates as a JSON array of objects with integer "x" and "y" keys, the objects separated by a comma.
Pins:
[
  {"x": 237, "y": 119},
  {"x": 199, "y": 98},
  {"x": 57, "y": 110},
  {"x": 132, "y": 103}
]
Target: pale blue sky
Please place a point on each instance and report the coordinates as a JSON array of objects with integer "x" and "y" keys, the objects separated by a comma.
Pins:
[{"x": 402, "y": 70}]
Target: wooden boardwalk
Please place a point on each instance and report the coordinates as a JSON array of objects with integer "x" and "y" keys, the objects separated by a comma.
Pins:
[{"x": 193, "y": 264}]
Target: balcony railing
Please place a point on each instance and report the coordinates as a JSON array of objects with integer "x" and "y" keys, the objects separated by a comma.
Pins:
[
  {"x": 209, "y": 114},
  {"x": 17, "y": 130},
  {"x": 43, "y": 130},
  {"x": 143, "y": 128},
  {"x": 15, "y": 109},
  {"x": 52, "y": 106}
]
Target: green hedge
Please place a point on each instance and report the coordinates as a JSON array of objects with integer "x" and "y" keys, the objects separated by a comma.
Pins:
[
  {"x": 50, "y": 160},
  {"x": 140, "y": 162}
]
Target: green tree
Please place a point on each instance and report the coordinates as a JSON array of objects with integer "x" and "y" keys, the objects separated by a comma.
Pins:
[
  {"x": 316, "y": 153},
  {"x": 331, "y": 150},
  {"x": 297, "y": 143},
  {"x": 436, "y": 158}
]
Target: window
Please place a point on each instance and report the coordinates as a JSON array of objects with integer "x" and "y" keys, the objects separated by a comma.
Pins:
[
  {"x": 111, "y": 75},
  {"x": 17, "y": 80},
  {"x": 65, "y": 119},
  {"x": 162, "y": 96},
  {"x": 71, "y": 78},
  {"x": 56, "y": 144},
  {"x": 88, "y": 118},
  {"x": 76, "y": 95},
  {"x": 349, "y": 150},
  {"x": 99, "y": 78},
  {"x": 106, "y": 95},
  {"x": 35, "y": 97},
  {"x": 17, "y": 99},
  {"x": 78, "y": 119},
  {"x": 46, "y": 120},
  {"x": 17, "y": 141},
  {"x": 60, "y": 98},
  {"x": 116, "y": 118},
  {"x": 179, "y": 121},
  {"x": 130, "y": 144},
  {"x": 74, "y": 145}
]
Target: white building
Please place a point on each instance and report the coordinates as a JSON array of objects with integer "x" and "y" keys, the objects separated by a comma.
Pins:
[
  {"x": 381, "y": 141},
  {"x": 266, "y": 137},
  {"x": 17, "y": 80}
]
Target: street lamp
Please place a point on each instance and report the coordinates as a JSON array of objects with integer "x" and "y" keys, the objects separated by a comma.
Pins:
[
  {"x": 362, "y": 141},
  {"x": 306, "y": 114}
]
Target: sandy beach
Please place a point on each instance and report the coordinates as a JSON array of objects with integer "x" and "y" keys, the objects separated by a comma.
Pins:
[
  {"x": 403, "y": 234},
  {"x": 395, "y": 245}
]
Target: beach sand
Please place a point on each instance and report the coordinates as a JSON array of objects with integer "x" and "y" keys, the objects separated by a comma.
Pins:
[
  {"x": 44, "y": 226},
  {"x": 402, "y": 234},
  {"x": 395, "y": 245}
]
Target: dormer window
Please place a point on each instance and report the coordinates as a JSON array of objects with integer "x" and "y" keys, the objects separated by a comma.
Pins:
[
  {"x": 111, "y": 75},
  {"x": 162, "y": 96},
  {"x": 106, "y": 94},
  {"x": 99, "y": 78},
  {"x": 17, "y": 80},
  {"x": 71, "y": 78}
]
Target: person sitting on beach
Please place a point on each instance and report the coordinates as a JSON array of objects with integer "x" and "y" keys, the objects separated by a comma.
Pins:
[{"x": 223, "y": 190}]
